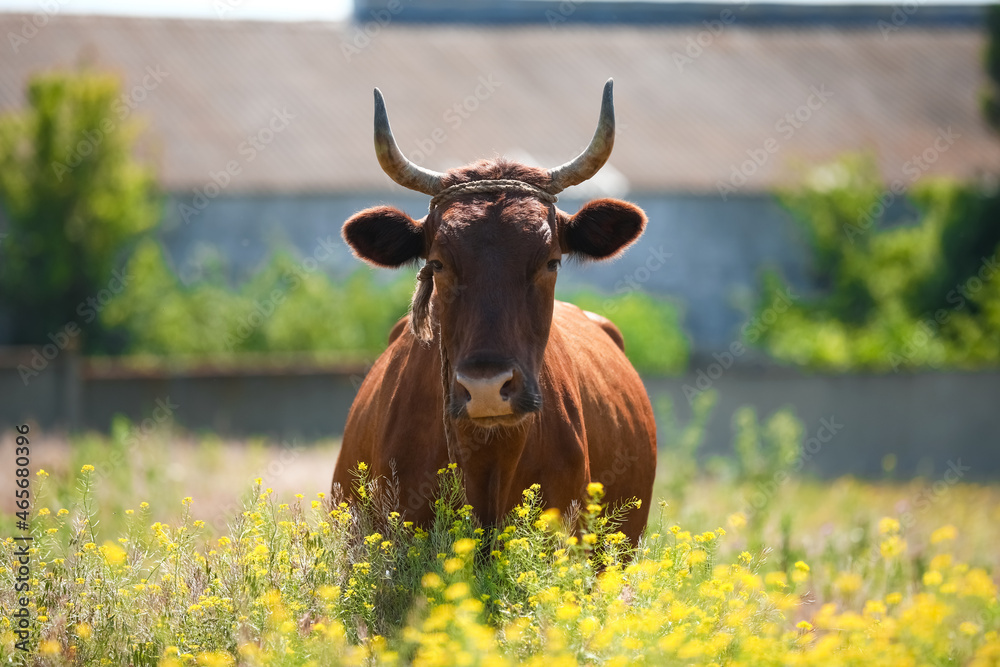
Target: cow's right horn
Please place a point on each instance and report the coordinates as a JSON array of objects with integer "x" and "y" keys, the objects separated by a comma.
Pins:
[{"x": 394, "y": 163}]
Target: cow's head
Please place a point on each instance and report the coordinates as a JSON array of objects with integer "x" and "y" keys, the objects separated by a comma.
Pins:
[{"x": 492, "y": 244}]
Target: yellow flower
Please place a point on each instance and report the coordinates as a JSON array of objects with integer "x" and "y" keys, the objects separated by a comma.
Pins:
[
  {"x": 892, "y": 547},
  {"x": 888, "y": 526},
  {"x": 697, "y": 557},
  {"x": 457, "y": 591},
  {"x": 84, "y": 631},
  {"x": 87, "y": 468},
  {"x": 595, "y": 489},
  {"x": 805, "y": 626},
  {"x": 464, "y": 546},
  {"x": 968, "y": 628},
  {"x": 848, "y": 582},
  {"x": 431, "y": 580},
  {"x": 932, "y": 578},
  {"x": 944, "y": 533},
  {"x": 41, "y": 473},
  {"x": 894, "y": 598},
  {"x": 50, "y": 647}
]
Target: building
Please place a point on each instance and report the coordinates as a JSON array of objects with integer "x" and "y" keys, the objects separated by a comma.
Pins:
[{"x": 716, "y": 109}]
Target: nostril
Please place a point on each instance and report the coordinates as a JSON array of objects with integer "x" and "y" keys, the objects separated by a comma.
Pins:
[
  {"x": 506, "y": 390},
  {"x": 463, "y": 393}
]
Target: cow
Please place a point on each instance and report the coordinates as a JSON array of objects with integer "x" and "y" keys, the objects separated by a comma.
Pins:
[{"x": 489, "y": 371}]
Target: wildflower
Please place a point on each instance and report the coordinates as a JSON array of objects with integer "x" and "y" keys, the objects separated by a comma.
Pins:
[
  {"x": 932, "y": 578},
  {"x": 464, "y": 546},
  {"x": 888, "y": 526},
  {"x": 805, "y": 626},
  {"x": 41, "y": 473},
  {"x": 848, "y": 582},
  {"x": 892, "y": 547},
  {"x": 969, "y": 629},
  {"x": 457, "y": 591},
  {"x": 87, "y": 468},
  {"x": 595, "y": 490},
  {"x": 944, "y": 533},
  {"x": 50, "y": 647},
  {"x": 874, "y": 608}
]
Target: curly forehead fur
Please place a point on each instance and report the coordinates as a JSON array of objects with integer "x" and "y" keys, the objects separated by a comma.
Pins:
[
  {"x": 507, "y": 208},
  {"x": 497, "y": 168}
]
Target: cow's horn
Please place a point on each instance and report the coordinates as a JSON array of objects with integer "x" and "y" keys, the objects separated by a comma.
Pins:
[
  {"x": 394, "y": 163},
  {"x": 587, "y": 163}
]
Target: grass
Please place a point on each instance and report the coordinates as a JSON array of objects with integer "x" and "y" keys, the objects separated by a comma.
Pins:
[{"x": 128, "y": 568}]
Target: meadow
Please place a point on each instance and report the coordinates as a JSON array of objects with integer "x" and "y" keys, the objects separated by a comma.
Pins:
[{"x": 207, "y": 552}]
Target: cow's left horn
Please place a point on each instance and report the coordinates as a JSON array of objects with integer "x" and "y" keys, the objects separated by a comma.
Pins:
[
  {"x": 587, "y": 163},
  {"x": 394, "y": 163}
]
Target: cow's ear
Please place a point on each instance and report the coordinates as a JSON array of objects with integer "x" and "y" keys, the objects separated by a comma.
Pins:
[
  {"x": 384, "y": 236},
  {"x": 602, "y": 228}
]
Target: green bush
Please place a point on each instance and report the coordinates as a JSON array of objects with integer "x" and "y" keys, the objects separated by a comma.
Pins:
[
  {"x": 73, "y": 196},
  {"x": 283, "y": 308},
  {"x": 654, "y": 339},
  {"x": 922, "y": 293}
]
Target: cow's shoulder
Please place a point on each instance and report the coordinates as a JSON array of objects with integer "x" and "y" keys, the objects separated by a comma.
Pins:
[
  {"x": 398, "y": 328},
  {"x": 575, "y": 317}
]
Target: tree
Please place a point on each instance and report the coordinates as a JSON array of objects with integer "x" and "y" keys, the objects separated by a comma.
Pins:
[
  {"x": 991, "y": 95},
  {"x": 73, "y": 195}
]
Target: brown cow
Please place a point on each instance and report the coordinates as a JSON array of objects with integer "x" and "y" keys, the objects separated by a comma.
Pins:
[{"x": 491, "y": 372}]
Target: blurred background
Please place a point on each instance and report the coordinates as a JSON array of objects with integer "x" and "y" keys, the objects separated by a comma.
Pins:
[{"x": 820, "y": 265}]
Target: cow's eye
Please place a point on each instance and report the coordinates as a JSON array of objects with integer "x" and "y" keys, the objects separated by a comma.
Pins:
[
  {"x": 554, "y": 264},
  {"x": 436, "y": 265}
]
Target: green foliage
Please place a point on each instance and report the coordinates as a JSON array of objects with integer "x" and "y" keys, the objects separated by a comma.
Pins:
[
  {"x": 679, "y": 456},
  {"x": 991, "y": 92},
  {"x": 921, "y": 293},
  {"x": 654, "y": 339},
  {"x": 73, "y": 195},
  {"x": 282, "y": 308}
]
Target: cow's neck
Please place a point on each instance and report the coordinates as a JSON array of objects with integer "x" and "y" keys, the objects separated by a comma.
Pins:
[{"x": 488, "y": 458}]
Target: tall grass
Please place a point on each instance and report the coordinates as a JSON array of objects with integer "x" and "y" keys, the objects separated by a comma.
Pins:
[{"x": 312, "y": 581}]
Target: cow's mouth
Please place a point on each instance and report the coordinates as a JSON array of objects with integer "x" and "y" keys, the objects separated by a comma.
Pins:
[{"x": 498, "y": 421}]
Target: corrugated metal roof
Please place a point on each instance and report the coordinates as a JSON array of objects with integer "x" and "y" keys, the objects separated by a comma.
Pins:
[{"x": 683, "y": 125}]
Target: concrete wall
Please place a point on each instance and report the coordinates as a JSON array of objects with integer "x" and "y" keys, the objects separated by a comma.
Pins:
[
  {"x": 928, "y": 420},
  {"x": 716, "y": 249}
]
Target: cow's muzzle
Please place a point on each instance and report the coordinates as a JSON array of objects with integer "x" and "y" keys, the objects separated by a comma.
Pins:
[{"x": 491, "y": 391}]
